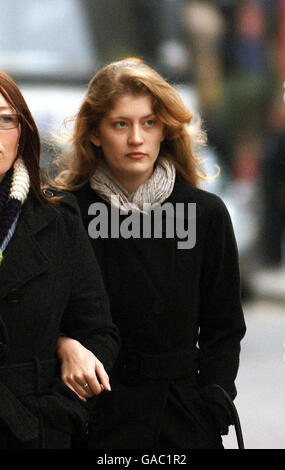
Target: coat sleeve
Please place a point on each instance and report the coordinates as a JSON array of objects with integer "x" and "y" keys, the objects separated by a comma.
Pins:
[
  {"x": 87, "y": 317},
  {"x": 221, "y": 318}
]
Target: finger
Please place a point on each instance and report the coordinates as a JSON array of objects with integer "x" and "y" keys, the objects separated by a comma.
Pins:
[
  {"x": 94, "y": 385},
  {"x": 85, "y": 390},
  {"x": 88, "y": 393},
  {"x": 80, "y": 395},
  {"x": 103, "y": 376},
  {"x": 77, "y": 385}
]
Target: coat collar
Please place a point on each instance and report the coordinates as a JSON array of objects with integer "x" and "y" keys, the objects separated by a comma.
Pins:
[
  {"x": 37, "y": 216},
  {"x": 24, "y": 259}
]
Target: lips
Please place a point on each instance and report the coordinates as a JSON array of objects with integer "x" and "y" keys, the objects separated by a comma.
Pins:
[{"x": 136, "y": 155}]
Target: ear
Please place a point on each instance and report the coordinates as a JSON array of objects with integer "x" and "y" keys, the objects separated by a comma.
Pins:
[{"x": 96, "y": 140}]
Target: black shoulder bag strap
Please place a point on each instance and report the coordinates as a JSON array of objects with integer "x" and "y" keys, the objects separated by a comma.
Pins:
[{"x": 235, "y": 417}]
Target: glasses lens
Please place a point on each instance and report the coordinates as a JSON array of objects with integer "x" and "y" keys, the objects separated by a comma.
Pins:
[{"x": 8, "y": 121}]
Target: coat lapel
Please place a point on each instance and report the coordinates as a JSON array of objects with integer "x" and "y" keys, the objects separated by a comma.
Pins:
[{"x": 23, "y": 259}]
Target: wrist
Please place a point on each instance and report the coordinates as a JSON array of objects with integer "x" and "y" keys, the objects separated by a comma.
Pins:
[{"x": 64, "y": 343}]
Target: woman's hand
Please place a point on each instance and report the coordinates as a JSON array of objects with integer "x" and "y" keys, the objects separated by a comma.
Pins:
[{"x": 81, "y": 371}]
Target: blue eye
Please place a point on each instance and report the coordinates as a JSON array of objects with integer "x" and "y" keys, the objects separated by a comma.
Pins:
[
  {"x": 149, "y": 122},
  {"x": 6, "y": 119},
  {"x": 120, "y": 124}
]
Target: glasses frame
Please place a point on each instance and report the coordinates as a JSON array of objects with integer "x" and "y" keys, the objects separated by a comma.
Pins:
[{"x": 12, "y": 126}]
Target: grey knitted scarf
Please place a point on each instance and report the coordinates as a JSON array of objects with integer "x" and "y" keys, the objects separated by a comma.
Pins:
[{"x": 154, "y": 191}]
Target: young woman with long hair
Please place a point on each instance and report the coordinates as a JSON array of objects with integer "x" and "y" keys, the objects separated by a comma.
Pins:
[{"x": 173, "y": 283}]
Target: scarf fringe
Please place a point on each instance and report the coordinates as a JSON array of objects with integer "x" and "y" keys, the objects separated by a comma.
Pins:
[
  {"x": 19, "y": 188},
  {"x": 20, "y": 181}
]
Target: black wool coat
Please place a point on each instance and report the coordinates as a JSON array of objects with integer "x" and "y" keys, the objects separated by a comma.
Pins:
[
  {"x": 50, "y": 283},
  {"x": 181, "y": 322}
]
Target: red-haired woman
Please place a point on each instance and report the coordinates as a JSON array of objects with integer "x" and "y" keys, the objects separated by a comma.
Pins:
[{"x": 173, "y": 283}]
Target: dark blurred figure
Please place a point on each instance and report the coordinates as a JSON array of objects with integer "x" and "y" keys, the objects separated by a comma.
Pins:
[{"x": 273, "y": 188}]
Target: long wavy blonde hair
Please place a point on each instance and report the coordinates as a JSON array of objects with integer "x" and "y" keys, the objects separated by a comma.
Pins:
[{"x": 130, "y": 76}]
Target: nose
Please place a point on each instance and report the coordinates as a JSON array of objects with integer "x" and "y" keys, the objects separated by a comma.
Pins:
[{"x": 135, "y": 135}]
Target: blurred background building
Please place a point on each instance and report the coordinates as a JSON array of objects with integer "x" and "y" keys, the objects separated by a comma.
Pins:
[{"x": 227, "y": 60}]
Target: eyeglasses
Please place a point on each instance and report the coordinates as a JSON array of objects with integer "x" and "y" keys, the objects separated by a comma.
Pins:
[{"x": 9, "y": 121}]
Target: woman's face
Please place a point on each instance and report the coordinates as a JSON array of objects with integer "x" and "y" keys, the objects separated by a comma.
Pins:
[
  {"x": 130, "y": 135},
  {"x": 9, "y": 138}
]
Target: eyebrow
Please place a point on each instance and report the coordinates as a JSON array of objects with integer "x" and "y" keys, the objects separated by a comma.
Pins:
[
  {"x": 5, "y": 108},
  {"x": 125, "y": 117}
]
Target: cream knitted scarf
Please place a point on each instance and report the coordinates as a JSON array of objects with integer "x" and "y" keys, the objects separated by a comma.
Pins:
[
  {"x": 154, "y": 191},
  {"x": 13, "y": 192}
]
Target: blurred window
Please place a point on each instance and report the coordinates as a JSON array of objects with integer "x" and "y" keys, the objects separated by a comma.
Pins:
[{"x": 45, "y": 38}]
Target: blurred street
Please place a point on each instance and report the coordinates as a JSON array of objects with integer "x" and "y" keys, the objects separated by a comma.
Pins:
[{"x": 260, "y": 383}]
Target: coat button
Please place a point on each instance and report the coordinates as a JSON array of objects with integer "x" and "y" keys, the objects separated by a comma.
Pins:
[
  {"x": 13, "y": 296},
  {"x": 158, "y": 307},
  {"x": 48, "y": 193}
]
